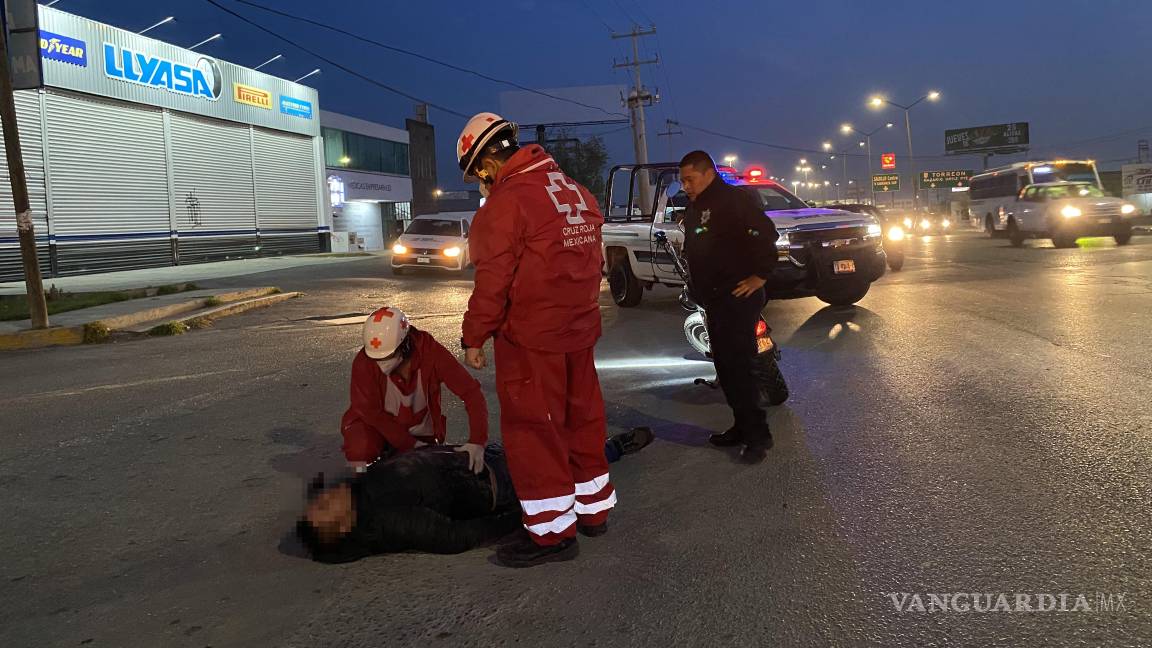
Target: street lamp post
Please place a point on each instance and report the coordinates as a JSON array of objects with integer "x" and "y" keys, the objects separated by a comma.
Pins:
[
  {"x": 730, "y": 160},
  {"x": 848, "y": 129},
  {"x": 878, "y": 102}
]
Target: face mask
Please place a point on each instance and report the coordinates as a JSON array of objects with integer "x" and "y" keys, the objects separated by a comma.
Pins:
[{"x": 389, "y": 365}]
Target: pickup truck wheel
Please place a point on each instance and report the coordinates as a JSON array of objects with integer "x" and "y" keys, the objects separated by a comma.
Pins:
[
  {"x": 844, "y": 295},
  {"x": 625, "y": 287},
  {"x": 1015, "y": 236},
  {"x": 1064, "y": 240},
  {"x": 1123, "y": 236},
  {"x": 895, "y": 261},
  {"x": 398, "y": 270}
]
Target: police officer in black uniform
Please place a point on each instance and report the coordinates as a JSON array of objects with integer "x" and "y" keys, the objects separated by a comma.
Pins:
[{"x": 730, "y": 246}]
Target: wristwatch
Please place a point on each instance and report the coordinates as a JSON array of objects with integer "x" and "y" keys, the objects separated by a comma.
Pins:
[{"x": 463, "y": 344}]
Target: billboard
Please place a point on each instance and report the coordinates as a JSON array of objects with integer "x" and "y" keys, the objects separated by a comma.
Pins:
[
  {"x": 887, "y": 161},
  {"x": 951, "y": 178},
  {"x": 982, "y": 139},
  {"x": 86, "y": 56},
  {"x": 882, "y": 182}
]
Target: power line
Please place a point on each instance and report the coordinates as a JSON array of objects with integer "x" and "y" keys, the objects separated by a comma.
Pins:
[
  {"x": 643, "y": 14},
  {"x": 596, "y": 15},
  {"x": 335, "y": 64},
  {"x": 625, "y": 12},
  {"x": 424, "y": 57}
]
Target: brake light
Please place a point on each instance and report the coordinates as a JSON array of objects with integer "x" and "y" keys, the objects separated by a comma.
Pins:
[
  {"x": 761, "y": 328},
  {"x": 755, "y": 174}
]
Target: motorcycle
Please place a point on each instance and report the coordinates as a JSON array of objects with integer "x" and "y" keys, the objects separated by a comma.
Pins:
[{"x": 766, "y": 364}]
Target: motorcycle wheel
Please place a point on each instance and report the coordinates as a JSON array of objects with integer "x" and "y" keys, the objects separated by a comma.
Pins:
[
  {"x": 697, "y": 333},
  {"x": 773, "y": 387}
]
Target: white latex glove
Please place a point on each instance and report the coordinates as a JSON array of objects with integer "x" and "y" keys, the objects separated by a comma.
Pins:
[{"x": 475, "y": 454}]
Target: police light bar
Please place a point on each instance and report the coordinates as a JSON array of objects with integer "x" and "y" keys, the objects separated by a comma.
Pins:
[{"x": 755, "y": 172}]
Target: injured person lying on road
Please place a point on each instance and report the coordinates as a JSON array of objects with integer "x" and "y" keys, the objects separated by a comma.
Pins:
[{"x": 423, "y": 500}]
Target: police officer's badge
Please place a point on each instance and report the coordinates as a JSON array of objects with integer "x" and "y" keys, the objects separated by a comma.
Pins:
[{"x": 704, "y": 216}]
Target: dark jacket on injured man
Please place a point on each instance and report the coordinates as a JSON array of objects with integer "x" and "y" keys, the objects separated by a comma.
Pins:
[{"x": 424, "y": 500}]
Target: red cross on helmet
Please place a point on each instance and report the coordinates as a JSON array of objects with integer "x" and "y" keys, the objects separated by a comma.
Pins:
[
  {"x": 484, "y": 131},
  {"x": 384, "y": 331}
]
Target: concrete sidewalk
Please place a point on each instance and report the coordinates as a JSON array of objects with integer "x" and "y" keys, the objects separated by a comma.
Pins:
[{"x": 129, "y": 279}]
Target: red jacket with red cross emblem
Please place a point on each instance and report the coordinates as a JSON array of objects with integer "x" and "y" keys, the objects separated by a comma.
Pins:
[
  {"x": 369, "y": 424},
  {"x": 536, "y": 247}
]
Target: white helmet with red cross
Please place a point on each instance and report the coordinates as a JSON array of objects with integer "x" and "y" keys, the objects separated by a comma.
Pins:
[
  {"x": 484, "y": 131},
  {"x": 384, "y": 331}
]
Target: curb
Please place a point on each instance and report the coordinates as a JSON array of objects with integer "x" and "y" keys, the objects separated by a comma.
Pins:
[
  {"x": 241, "y": 300},
  {"x": 225, "y": 310}
]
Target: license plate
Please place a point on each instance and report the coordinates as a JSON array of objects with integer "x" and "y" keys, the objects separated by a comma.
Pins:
[
  {"x": 844, "y": 266},
  {"x": 1104, "y": 220},
  {"x": 423, "y": 260}
]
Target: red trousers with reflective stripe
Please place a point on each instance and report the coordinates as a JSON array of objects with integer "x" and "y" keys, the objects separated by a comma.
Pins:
[{"x": 553, "y": 425}]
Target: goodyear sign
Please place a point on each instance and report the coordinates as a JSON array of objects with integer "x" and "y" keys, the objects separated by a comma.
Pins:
[
  {"x": 54, "y": 47},
  {"x": 200, "y": 80},
  {"x": 882, "y": 182},
  {"x": 941, "y": 179},
  {"x": 246, "y": 94}
]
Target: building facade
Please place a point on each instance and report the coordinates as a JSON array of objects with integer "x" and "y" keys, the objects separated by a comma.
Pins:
[
  {"x": 369, "y": 182},
  {"x": 143, "y": 154}
]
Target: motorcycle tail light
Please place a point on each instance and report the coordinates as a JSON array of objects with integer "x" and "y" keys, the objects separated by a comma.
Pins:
[{"x": 761, "y": 328}]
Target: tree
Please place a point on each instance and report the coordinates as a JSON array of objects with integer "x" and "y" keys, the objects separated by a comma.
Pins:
[{"x": 585, "y": 161}]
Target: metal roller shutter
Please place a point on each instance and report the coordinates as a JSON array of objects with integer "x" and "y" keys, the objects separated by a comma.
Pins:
[
  {"x": 109, "y": 178},
  {"x": 214, "y": 203},
  {"x": 32, "y": 145},
  {"x": 287, "y": 199}
]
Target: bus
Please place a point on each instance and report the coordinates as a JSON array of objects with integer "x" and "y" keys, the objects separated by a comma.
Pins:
[{"x": 992, "y": 194}]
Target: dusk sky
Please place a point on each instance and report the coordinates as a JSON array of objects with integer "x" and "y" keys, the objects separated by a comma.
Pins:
[{"x": 781, "y": 72}]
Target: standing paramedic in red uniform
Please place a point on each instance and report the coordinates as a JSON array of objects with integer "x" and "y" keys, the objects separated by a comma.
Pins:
[{"x": 536, "y": 247}]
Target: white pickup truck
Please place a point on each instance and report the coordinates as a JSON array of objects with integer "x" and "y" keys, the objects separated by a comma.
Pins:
[{"x": 831, "y": 254}]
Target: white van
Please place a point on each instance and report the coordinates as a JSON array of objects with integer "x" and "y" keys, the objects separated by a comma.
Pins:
[
  {"x": 437, "y": 241},
  {"x": 993, "y": 194}
]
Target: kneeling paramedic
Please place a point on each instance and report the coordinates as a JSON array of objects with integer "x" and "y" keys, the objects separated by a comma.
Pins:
[
  {"x": 730, "y": 245},
  {"x": 395, "y": 395},
  {"x": 536, "y": 247}
]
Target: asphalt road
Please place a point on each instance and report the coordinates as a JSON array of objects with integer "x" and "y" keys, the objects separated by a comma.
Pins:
[{"x": 980, "y": 423}]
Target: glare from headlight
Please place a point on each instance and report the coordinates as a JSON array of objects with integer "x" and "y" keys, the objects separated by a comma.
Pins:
[
  {"x": 1127, "y": 209},
  {"x": 945, "y": 223},
  {"x": 783, "y": 241},
  {"x": 908, "y": 223},
  {"x": 399, "y": 249},
  {"x": 925, "y": 224},
  {"x": 1070, "y": 212},
  {"x": 452, "y": 251},
  {"x": 874, "y": 230},
  {"x": 896, "y": 234}
]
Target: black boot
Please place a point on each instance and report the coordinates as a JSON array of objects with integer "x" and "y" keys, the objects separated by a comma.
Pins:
[
  {"x": 732, "y": 437},
  {"x": 593, "y": 531},
  {"x": 524, "y": 552},
  {"x": 756, "y": 450}
]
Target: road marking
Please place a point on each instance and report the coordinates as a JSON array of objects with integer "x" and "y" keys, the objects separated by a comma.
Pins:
[{"x": 137, "y": 383}]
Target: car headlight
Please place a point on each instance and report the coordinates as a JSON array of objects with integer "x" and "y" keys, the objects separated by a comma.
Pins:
[
  {"x": 908, "y": 223},
  {"x": 925, "y": 224},
  {"x": 783, "y": 241},
  {"x": 875, "y": 230},
  {"x": 1127, "y": 209},
  {"x": 896, "y": 233},
  {"x": 399, "y": 249},
  {"x": 452, "y": 251},
  {"x": 1070, "y": 212},
  {"x": 945, "y": 223}
]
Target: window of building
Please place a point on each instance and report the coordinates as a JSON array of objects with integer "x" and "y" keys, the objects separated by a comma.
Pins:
[{"x": 363, "y": 153}]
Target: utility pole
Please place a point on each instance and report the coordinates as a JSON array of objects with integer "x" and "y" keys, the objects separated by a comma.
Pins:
[
  {"x": 668, "y": 132},
  {"x": 37, "y": 307},
  {"x": 639, "y": 97}
]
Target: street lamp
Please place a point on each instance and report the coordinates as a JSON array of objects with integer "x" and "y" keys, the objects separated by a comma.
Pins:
[
  {"x": 148, "y": 29},
  {"x": 878, "y": 102},
  {"x": 207, "y": 40},
  {"x": 312, "y": 73},
  {"x": 848, "y": 129},
  {"x": 730, "y": 159},
  {"x": 273, "y": 59}
]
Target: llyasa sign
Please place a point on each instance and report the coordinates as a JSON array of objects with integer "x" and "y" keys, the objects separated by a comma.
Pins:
[
  {"x": 887, "y": 161},
  {"x": 882, "y": 182}
]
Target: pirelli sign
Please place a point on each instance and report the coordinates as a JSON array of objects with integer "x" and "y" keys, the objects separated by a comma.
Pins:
[{"x": 250, "y": 96}]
